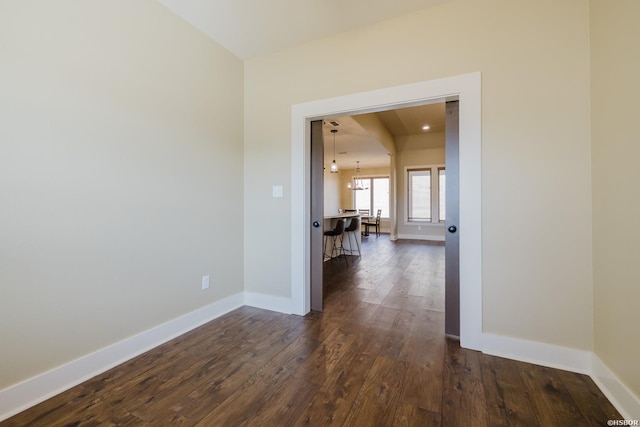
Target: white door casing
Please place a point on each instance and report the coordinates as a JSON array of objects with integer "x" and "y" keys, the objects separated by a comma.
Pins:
[{"x": 467, "y": 89}]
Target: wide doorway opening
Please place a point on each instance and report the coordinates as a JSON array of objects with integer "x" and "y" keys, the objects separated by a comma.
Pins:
[
  {"x": 383, "y": 181},
  {"x": 466, "y": 89}
]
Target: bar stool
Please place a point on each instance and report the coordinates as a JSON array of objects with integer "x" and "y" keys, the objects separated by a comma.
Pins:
[
  {"x": 335, "y": 234},
  {"x": 351, "y": 231}
]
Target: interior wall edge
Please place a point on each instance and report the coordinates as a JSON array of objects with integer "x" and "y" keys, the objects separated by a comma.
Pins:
[
  {"x": 620, "y": 396},
  {"x": 268, "y": 302}
]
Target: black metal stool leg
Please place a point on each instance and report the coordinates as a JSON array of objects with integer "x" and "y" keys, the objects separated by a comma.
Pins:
[
  {"x": 344, "y": 254},
  {"x": 324, "y": 252},
  {"x": 357, "y": 244}
]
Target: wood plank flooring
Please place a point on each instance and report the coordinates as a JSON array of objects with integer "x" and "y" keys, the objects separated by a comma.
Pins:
[{"x": 376, "y": 356}]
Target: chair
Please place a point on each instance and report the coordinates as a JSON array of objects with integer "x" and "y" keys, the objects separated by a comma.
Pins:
[
  {"x": 351, "y": 231},
  {"x": 375, "y": 224},
  {"x": 335, "y": 234},
  {"x": 364, "y": 216}
]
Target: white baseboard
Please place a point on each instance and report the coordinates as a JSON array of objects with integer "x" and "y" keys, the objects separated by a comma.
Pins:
[
  {"x": 268, "y": 302},
  {"x": 569, "y": 359},
  {"x": 553, "y": 356},
  {"x": 32, "y": 391},
  {"x": 618, "y": 394},
  {"x": 421, "y": 237}
]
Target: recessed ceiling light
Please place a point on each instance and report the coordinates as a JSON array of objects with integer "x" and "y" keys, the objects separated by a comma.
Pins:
[{"x": 425, "y": 127}]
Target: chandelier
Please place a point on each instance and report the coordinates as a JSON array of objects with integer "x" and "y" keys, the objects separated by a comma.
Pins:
[{"x": 357, "y": 183}]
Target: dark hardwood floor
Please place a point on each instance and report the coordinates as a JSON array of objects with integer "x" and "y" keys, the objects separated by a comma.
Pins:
[{"x": 377, "y": 355}]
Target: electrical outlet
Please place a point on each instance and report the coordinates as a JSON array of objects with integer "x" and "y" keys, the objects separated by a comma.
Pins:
[{"x": 205, "y": 282}]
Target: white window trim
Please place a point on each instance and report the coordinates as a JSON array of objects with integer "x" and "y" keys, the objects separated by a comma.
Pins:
[{"x": 435, "y": 194}]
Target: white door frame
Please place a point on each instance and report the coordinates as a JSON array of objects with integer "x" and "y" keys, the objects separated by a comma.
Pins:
[{"x": 467, "y": 89}]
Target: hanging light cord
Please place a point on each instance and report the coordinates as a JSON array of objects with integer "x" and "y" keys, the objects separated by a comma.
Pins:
[{"x": 334, "y": 165}]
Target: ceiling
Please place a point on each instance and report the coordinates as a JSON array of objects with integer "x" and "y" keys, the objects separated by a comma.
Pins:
[
  {"x": 251, "y": 28},
  {"x": 409, "y": 121},
  {"x": 355, "y": 143}
]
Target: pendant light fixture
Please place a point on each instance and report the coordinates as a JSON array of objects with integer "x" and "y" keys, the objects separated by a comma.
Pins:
[
  {"x": 334, "y": 165},
  {"x": 358, "y": 183}
]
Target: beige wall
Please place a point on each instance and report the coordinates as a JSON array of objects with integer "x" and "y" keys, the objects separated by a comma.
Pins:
[
  {"x": 412, "y": 152},
  {"x": 615, "y": 67},
  {"x": 331, "y": 192},
  {"x": 537, "y": 272},
  {"x": 121, "y": 172},
  {"x": 372, "y": 123}
]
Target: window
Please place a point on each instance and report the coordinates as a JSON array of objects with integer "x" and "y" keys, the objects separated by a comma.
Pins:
[
  {"x": 419, "y": 195},
  {"x": 426, "y": 191},
  {"x": 442, "y": 194},
  {"x": 376, "y": 197}
]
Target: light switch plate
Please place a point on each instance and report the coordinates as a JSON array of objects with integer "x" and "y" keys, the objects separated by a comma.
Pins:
[{"x": 277, "y": 191}]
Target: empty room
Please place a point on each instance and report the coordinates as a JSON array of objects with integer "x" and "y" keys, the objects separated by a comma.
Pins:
[{"x": 156, "y": 215}]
